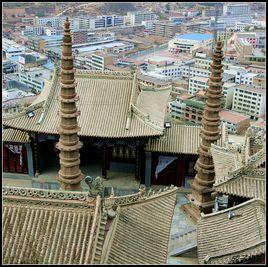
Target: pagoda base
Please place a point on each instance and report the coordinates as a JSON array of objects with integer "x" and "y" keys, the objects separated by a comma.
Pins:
[
  {"x": 191, "y": 211},
  {"x": 194, "y": 209}
]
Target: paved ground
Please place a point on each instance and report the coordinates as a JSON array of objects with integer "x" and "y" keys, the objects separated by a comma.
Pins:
[{"x": 180, "y": 224}]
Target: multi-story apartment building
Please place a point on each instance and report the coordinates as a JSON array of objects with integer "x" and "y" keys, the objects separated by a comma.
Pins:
[
  {"x": 79, "y": 37},
  {"x": 232, "y": 9},
  {"x": 228, "y": 93},
  {"x": 251, "y": 37},
  {"x": 165, "y": 29},
  {"x": 84, "y": 23},
  {"x": 261, "y": 39},
  {"x": 33, "y": 30},
  {"x": 99, "y": 61},
  {"x": 123, "y": 48},
  {"x": 43, "y": 42},
  {"x": 136, "y": 18},
  {"x": 188, "y": 71},
  {"x": 34, "y": 79},
  {"x": 11, "y": 48},
  {"x": 107, "y": 21},
  {"x": 236, "y": 123},
  {"x": 242, "y": 75},
  {"x": 197, "y": 26},
  {"x": 197, "y": 84},
  {"x": 194, "y": 110},
  {"x": 53, "y": 31},
  {"x": 29, "y": 20},
  {"x": 168, "y": 69},
  {"x": 243, "y": 48},
  {"x": 187, "y": 43},
  {"x": 54, "y": 22},
  {"x": 259, "y": 81},
  {"x": 249, "y": 100},
  {"x": 177, "y": 107}
]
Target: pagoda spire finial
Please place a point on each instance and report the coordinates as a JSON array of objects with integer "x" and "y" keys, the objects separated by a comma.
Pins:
[
  {"x": 69, "y": 174},
  {"x": 202, "y": 186}
]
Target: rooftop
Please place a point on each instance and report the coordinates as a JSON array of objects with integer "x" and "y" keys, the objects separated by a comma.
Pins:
[
  {"x": 250, "y": 88},
  {"x": 195, "y": 36},
  {"x": 232, "y": 116}
]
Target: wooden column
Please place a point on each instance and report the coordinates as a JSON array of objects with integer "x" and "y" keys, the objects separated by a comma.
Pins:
[
  {"x": 138, "y": 164},
  {"x": 148, "y": 168},
  {"x": 36, "y": 157},
  {"x": 104, "y": 161}
]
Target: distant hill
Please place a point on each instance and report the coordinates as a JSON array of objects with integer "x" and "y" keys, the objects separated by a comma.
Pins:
[{"x": 117, "y": 8}]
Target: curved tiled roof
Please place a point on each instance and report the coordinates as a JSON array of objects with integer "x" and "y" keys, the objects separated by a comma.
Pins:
[
  {"x": 246, "y": 181},
  {"x": 221, "y": 240},
  {"x": 179, "y": 139},
  {"x": 47, "y": 226},
  {"x": 15, "y": 136},
  {"x": 105, "y": 101},
  {"x": 142, "y": 231}
]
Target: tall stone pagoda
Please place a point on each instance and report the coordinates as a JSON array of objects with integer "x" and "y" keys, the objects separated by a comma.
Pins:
[
  {"x": 201, "y": 198},
  {"x": 70, "y": 174}
]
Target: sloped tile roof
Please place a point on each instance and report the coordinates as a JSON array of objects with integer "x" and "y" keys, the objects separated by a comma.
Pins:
[
  {"x": 142, "y": 231},
  {"x": 107, "y": 99},
  {"x": 247, "y": 180},
  {"x": 221, "y": 240},
  {"x": 47, "y": 226},
  {"x": 179, "y": 139},
  {"x": 15, "y": 136}
]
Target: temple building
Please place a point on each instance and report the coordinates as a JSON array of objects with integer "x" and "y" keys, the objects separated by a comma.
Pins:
[{"x": 121, "y": 122}]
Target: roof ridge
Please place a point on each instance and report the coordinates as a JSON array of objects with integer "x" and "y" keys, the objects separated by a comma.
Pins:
[
  {"x": 52, "y": 91},
  {"x": 45, "y": 193},
  {"x": 109, "y": 74},
  {"x": 253, "y": 200},
  {"x": 238, "y": 250}
]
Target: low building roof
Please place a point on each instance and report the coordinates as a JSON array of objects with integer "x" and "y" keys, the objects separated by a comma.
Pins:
[
  {"x": 195, "y": 36},
  {"x": 180, "y": 139},
  {"x": 47, "y": 226},
  {"x": 225, "y": 240},
  {"x": 43, "y": 226},
  {"x": 232, "y": 116},
  {"x": 15, "y": 136},
  {"x": 245, "y": 180},
  {"x": 142, "y": 231}
]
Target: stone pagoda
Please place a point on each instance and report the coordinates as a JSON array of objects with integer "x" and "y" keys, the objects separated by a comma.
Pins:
[
  {"x": 70, "y": 174},
  {"x": 201, "y": 197}
]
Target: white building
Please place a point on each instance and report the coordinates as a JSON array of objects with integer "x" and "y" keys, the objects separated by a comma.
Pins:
[
  {"x": 49, "y": 31},
  {"x": 106, "y": 21},
  {"x": 242, "y": 76},
  {"x": 236, "y": 122},
  {"x": 54, "y": 22},
  {"x": 12, "y": 49},
  {"x": 99, "y": 61},
  {"x": 249, "y": 100},
  {"x": 228, "y": 92},
  {"x": 189, "y": 42},
  {"x": 236, "y": 9},
  {"x": 136, "y": 18},
  {"x": 33, "y": 30},
  {"x": 197, "y": 84},
  {"x": 169, "y": 69},
  {"x": 187, "y": 71}
]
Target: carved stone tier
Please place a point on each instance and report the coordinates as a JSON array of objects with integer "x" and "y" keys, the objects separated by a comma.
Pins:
[{"x": 70, "y": 174}]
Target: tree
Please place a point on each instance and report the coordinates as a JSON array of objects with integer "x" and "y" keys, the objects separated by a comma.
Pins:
[{"x": 168, "y": 6}]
